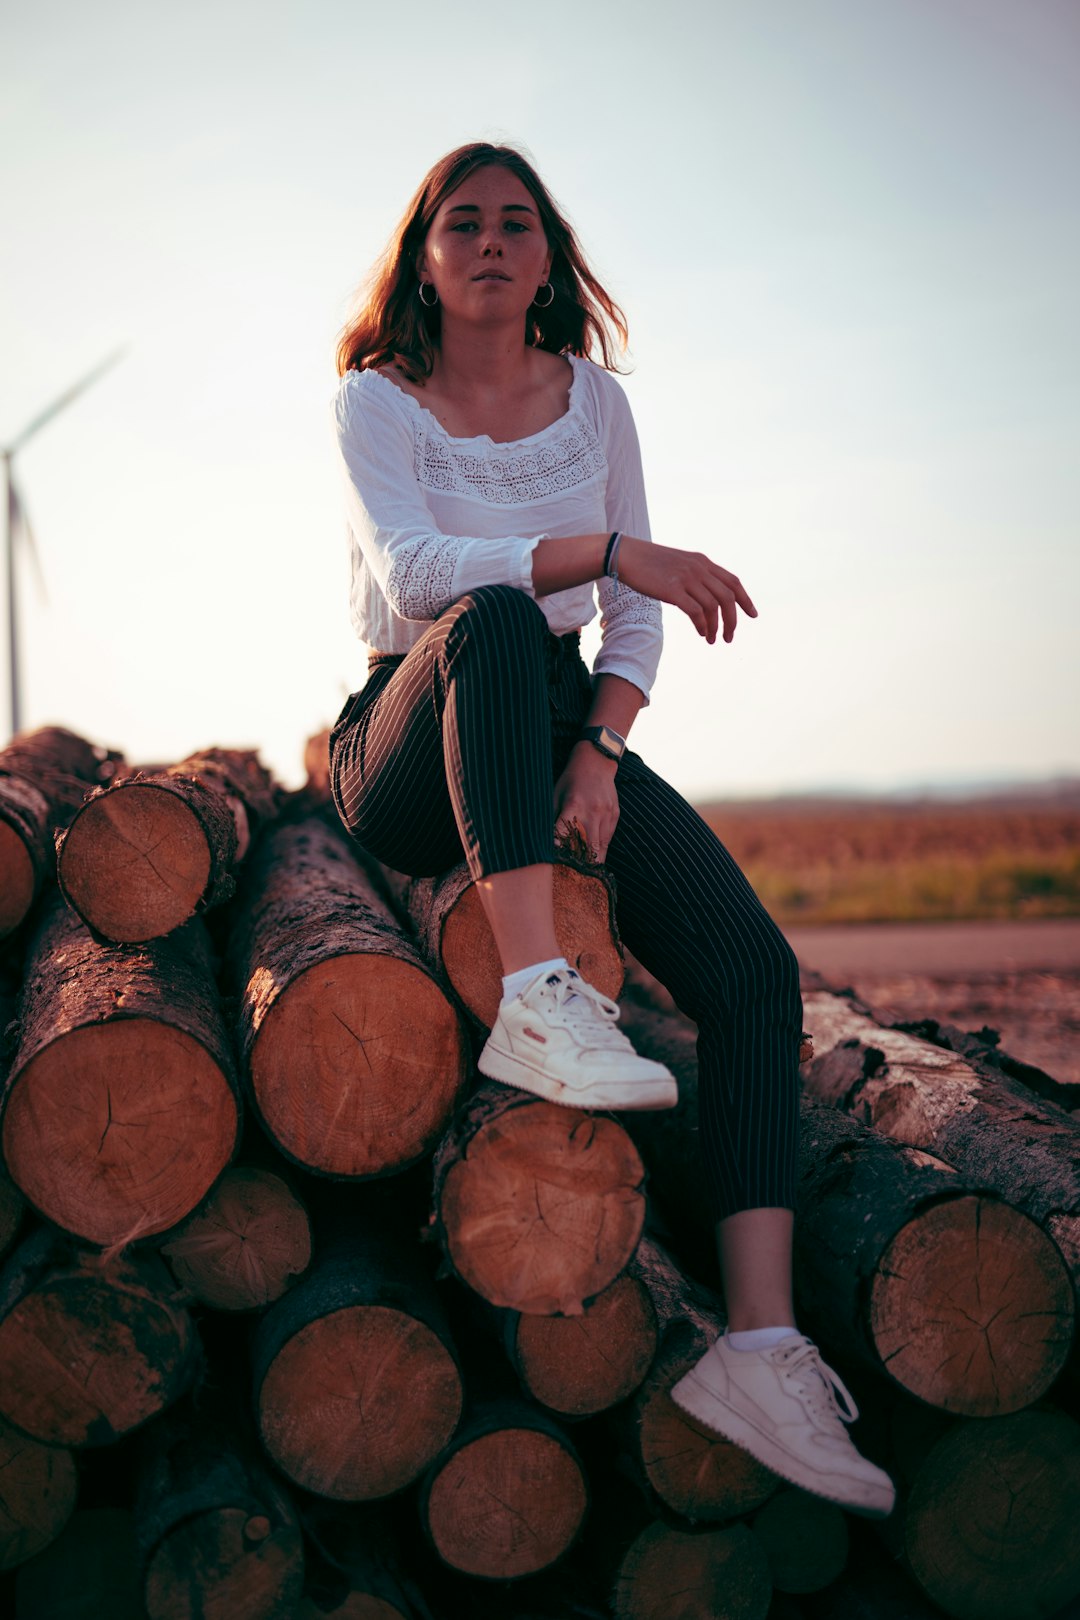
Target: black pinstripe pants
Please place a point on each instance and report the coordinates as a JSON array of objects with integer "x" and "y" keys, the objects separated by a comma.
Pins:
[{"x": 455, "y": 747}]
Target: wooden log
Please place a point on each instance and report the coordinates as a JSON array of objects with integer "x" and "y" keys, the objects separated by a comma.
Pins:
[
  {"x": 538, "y": 1207},
  {"x": 88, "y": 1573},
  {"x": 38, "y": 1495},
  {"x": 356, "y": 1380},
  {"x": 90, "y": 1347},
  {"x": 805, "y": 1540},
  {"x": 355, "y": 1057},
  {"x": 456, "y": 938},
  {"x": 44, "y": 776},
  {"x": 152, "y": 849},
  {"x": 12, "y": 1202},
  {"x": 694, "y": 1574},
  {"x": 579, "y": 1365},
  {"x": 247, "y": 1243},
  {"x": 985, "y": 1522},
  {"x": 121, "y": 1108},
  {"x": 507, "y": 1496},
  {"x": 217, "y": 1535},
  {"x": 979, "y": 1119},
  {"x": 681, "y": 1466},
  {"x": 918, "y": 1271}
]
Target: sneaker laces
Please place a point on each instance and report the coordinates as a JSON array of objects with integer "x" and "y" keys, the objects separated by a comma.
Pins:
[
  {"x": 818, "y": 1386},
  {"x": 584, "y": 1010}
]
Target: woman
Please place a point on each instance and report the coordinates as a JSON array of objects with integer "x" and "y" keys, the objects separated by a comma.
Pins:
[{"x": 492, "y": 477}]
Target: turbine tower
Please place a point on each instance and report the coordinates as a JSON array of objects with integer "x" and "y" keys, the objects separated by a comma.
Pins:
[{"x": 17, "y": 522}]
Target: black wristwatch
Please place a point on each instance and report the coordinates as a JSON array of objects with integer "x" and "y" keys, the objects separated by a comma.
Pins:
[{"x": 609, "y": 742}]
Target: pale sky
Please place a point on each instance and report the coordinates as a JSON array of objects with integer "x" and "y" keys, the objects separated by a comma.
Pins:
[{"x": 846, "y": 234}]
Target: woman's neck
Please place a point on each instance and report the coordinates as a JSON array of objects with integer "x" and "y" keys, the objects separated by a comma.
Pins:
[{"x": 472, "y": 363}]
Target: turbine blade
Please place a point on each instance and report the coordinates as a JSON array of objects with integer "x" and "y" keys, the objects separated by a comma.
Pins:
[{"x": 66, "y": 399}]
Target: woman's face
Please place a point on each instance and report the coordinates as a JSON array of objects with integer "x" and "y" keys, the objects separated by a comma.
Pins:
[{"x": 485, "y": 252}]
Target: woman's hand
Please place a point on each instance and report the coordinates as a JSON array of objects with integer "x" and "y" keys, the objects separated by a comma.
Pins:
[
  {"x": 585, "y": 793},
  {"x": 688, "y": 580}
]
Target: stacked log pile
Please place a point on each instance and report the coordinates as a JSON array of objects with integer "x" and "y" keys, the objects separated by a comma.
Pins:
[{"x": 301, "y": 1316}]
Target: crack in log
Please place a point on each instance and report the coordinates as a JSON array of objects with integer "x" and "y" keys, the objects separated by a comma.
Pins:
[{"x": 360, "y": 1041}]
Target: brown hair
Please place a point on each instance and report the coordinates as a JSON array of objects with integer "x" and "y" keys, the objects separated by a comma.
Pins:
[{"x": 391, "y": 325}]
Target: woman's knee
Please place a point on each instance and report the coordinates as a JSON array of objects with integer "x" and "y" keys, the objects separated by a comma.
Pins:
[{"x": 499, "y": 611}]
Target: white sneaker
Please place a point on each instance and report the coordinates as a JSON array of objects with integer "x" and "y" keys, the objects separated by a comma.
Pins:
[
  {"x": 558, "y": 1040},
  {"x": 780, "y": 1404}
]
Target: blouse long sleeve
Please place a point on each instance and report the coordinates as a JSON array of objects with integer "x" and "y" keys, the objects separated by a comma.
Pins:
[
  {"x": 631, "y": 624},
  {"x": 419, "y": 569}
]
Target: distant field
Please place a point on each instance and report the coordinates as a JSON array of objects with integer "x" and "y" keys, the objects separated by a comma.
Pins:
[{"x": 857, "y": 862}]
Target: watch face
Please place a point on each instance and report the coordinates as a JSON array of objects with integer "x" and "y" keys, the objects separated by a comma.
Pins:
[{"x": 609, "y": 742}]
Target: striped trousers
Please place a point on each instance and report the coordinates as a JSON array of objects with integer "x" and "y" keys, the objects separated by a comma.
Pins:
[{"x": 453, "y": 749}]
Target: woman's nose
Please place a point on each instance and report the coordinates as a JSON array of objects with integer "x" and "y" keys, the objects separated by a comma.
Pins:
[{"x": 492, "y": 247}]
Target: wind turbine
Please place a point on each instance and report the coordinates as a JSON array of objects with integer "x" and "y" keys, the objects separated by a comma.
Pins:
[{"x": 17, "y": 522}]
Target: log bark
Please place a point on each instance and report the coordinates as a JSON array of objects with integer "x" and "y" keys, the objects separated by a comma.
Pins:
[
  {"x": 354, "y": 1056},
  {"x": 356, "y": 1379},
  {"x": 152, "y": 849},
  {"x": 456, "y": 938},
  {"x": 507, "y": 1496},
  {"x": 696, "y": 1574},
  {"x": 44, "y": 776},
  {"x": 121, "y": 1108},
  {"x": 88, "y": 1573},
  {"x": 38, "y": 1496},
  {"x": 900, "y": 1261},
  {"x": 90, "y": 1347},
  {"x": 537, "y": 1207},
  {"x": 682, "y": 1467},
  {"x": 217, "y": 1535},
  {"x": 245, "y": 1245},
  {"x": 979, "y": 1119}
]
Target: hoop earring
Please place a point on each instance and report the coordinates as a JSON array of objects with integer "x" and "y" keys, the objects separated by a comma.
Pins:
[
  {"x": 549, "y": 300},
  {"x": 429, "y": 303}
]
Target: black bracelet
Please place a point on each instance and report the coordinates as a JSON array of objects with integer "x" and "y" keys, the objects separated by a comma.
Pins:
[{"x": 610, "y": 548}]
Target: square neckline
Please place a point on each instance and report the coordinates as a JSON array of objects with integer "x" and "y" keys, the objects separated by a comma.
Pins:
[{"x": 572, "y": 405}]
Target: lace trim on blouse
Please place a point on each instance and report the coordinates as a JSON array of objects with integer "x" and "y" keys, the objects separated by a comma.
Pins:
[
  {"x": 516, "y": 477},
  {"x": 422, "y": 576},
  {"x": 626, "y": 606}
]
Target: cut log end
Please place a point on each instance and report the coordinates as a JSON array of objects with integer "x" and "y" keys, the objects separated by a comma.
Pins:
[
  {"x": 973, "y": 1283},
  {"x": 805, "y": 1540},
  {"x": 119, "y": 1129},
  {"x": 689, "y": 1468},
  {"x": 39, "y": 1489},
  {"x": 16, "y": 879},
  {"x": 698, "y": 1575},
  {"x": 358, "y": 1403},
  {"x": 990, "y": 1527},
  {"x": 382, "y": 1055},
  {"x": 545, "y": 1209},
  {"x": 583, "y": 929},
  {"x": 246, "y": 1245},
  {"x": 578, "y": 1365},
  {"x": 135, "y": 862},
  {"x": 506, "y": 1504},
  {"x": 92, "y": 1352}
]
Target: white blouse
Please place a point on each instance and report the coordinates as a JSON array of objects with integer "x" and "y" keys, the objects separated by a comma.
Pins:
[{"x": 431, "y": 517}]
